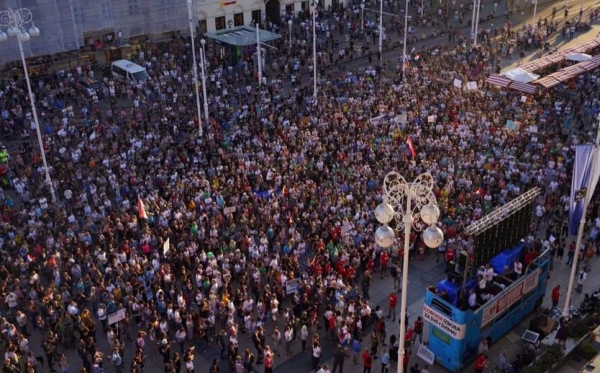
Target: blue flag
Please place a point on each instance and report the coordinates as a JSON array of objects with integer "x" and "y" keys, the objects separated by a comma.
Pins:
[{"x": 584, "y": 181}]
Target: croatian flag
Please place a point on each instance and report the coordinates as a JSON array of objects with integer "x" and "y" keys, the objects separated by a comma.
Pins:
[
  {"x": 141, "y": 209},
  {"x": 585, "y": 178},
  {"x": 410, "y": 147}
]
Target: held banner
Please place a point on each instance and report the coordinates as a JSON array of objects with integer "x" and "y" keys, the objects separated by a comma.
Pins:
[
  {"x": 440, "y": 321},
  {"x": 511, "y": 297},
  {"x": 115, "y": 317},
  {"x": 291, "y": 286},
  {"x": 426, "y": 354}
]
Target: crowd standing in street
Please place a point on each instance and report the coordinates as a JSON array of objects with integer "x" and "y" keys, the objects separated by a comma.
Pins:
[{"x": 196, "y": 238}]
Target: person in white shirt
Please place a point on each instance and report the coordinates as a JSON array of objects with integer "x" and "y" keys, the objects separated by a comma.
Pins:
[
  {"x": 580, "y": 280},
  {"x": 518, "y": 268},
  {"x": 489, "y": 274},
  {"x": 472, "y": 299},
  {"x": 288, "y": 334}
]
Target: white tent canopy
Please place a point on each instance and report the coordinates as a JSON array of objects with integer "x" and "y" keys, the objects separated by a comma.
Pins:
[
  {"x": 521, "y": 76},
  {"x": 579, "y": 57}
]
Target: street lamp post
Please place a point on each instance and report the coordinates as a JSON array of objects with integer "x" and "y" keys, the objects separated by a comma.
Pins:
[
  {"x": 202, "y": 54},
  {"x": 476, "y": 29},
  {"x": 535, "y": 11},
  {"x": 290, "y": 23},
  {"x": 362, "y": 20},
  {"x": 195, "y": 69},
  {"x": 258, "y": 57},
  {"x": 404, "y": 58},
  {"x": 15, "y": 21},
  {"x": 412, "y": 205},
  {"x": 314, "y": 29},
  {"x": 380, "y": 28}
]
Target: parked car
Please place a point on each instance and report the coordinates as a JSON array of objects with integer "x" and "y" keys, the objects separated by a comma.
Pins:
[{"x": 89, "y": 86}]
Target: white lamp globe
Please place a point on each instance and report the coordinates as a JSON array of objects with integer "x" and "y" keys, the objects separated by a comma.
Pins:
[
  {"x": 433, "y": 237},
  {"x": 12, "y": 31},
  {"x": 384, "y": 213},
  {"x": 3, "y": 37},
  {"x": 290, "y": 22},
  {"x": 384, "y": 236},
  {"x": 24, "y": 36},
  {"x": 430, "y": 214},
  {"x": 34, "y": 31}
]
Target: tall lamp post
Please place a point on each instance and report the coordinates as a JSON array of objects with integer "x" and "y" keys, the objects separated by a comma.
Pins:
[
  {"x": 202, "y": 54},
  {"x": 290, "y": 23},
  {"x": 404, "y": 57},
  {"x": 15, "y": 21},
  {"x": 195, "y": 69},
  {"x": 381, "y": 29},
  {"x": 412, "y": 205},
  {"x": 362, "y": 20},
  {"x": 314, "y": 29}
]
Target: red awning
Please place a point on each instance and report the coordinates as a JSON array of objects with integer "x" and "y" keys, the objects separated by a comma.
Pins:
[
  {"x": 523, "y": 87},
  {"x": 498, "y": 81}
]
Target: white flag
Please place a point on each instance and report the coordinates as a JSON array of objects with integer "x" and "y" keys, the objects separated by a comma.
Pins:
[{"x": 166, "y": 246}]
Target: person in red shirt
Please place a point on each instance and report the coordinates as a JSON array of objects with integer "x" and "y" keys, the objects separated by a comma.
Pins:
[
  {"x": 481, "y": 363},
  {"x": 351, "y": 275},
  {"x": 419, "y": 329},
  {"x": 555, "y": 296},
  {"x": 408, "y": 338},
  {"x": 392, "y": 303},
  {"x": 367, "y": 361},
  {"x": 405, "y": 360},
  {"x": 384, "y": 261}
]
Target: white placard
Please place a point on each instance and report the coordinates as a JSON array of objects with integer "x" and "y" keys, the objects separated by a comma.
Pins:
[
  {"x": 442, "y": 322},
  {"x": 472, "y": 86},
  {"x": 115, "y": 317},
  {"x": 291, "y": 286},
  {"x": 532, "y": 129},
  {"x": 229, "y": 210},
  {"x": 426, "y": 354},
  {"x": 523, "y": 98},
  {"x": 431, "y": 119},
  {"x": 457, "y": 83}
]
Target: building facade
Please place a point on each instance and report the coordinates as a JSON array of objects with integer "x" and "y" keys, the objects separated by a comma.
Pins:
[{"x": 68, "y": 25}]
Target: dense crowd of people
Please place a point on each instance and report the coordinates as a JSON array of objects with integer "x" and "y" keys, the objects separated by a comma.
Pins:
[{"x": 198, "y": 239}]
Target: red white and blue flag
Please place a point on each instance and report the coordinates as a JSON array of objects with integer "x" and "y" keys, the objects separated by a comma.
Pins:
[{"x": 410, "y": 147}]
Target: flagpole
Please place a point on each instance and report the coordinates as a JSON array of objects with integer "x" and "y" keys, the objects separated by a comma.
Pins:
[{"x": 586, "y": 201}]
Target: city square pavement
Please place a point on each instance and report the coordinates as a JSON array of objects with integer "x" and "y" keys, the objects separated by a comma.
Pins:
[{"x": 421, "y": 274}]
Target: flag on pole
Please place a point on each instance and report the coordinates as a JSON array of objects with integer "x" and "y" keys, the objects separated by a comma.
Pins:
[
  {"x": 584, "y": 181},
  {"x": 166, "y": 246},
  {"x": 410, "y": 147},
  {"x": 406, "y": 62},
  {"x": 141, "y": 209}
]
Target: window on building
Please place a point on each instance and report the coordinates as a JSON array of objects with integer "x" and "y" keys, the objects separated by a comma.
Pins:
[
  {"x": 304, "y": 5},
  {"x": 220, "y": 23},
  {"x": 134, "y": 7},
  {"x": 256, "y": 17},
  {"x": 105, "y": 9},
  {"x": 238, "y": 19},
  {"x": 202, "y": 25},
  {"x": 289, "y": 9}
]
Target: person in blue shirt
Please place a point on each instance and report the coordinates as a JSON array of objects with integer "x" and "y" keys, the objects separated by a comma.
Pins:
[
  {"x": 356, "y": 350},
  {"x": 385, "y": 360}
]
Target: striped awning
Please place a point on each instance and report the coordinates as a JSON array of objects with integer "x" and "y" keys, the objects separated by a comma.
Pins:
[
  {"x": 499, "y": 81},
  {"x": 548, "y": 81},
  {"x": 523, "y": 87},
  {"x": 558, "y": 57},
  {"x": 569, "y": 73}
]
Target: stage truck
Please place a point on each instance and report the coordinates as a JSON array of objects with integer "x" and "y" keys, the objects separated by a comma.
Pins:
[{"x": 455, "y": 329}]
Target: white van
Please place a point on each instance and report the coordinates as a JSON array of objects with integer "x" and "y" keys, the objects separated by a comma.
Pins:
[{"x": 129, "y": 71}]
